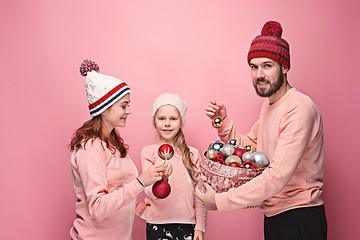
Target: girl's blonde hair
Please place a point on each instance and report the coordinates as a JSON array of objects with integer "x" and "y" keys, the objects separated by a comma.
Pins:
[{"x": 186, "y": 154}]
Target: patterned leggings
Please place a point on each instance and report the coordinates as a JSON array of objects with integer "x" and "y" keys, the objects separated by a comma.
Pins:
[{"x": 175, "y": 231}]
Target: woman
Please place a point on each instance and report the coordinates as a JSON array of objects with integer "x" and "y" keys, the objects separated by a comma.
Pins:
[{"x": 104, "y": 176}]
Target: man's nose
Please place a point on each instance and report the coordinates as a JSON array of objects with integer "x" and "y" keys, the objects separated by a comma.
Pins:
[{"x": 259, "y": 73}]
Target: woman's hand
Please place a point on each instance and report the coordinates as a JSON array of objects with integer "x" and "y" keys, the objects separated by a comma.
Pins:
[
  {"x": 152, "y": 174},
  {"x": 215, "y": 109},
  {"x": 198, "y": 235}
]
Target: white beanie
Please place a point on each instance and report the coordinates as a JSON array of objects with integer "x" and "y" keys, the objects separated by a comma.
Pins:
[
  {"x": 173, "y": 100},
  {"x": 102, "y": 90}
]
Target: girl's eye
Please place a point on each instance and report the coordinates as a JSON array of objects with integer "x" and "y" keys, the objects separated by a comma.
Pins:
[
  {"x": 174, "y": 119},
  {"x": 161, "y": 118}
]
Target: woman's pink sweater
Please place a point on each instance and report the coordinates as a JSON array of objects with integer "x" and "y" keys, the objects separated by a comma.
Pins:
[
  {"x": 290, "y": 133},
  {"x": 106, "y": 189},
  {"x": 181, "y": 206}
]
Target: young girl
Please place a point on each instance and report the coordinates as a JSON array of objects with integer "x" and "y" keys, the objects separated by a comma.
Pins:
[
  {"x": 104, "y": 177},
  {"x": 181, "y": 215}
]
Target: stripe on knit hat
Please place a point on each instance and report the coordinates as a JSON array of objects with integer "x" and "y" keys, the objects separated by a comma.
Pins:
[{"x": 108, "y": 99}]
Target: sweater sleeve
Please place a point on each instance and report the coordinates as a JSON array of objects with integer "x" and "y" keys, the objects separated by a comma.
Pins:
[
  {"x": 147, "y": 161},
  {"x": 228, "y": 131},
  {"x": 200, "y": 209},
  {"x": 102, "y": 203},
  {"x": 295, "y": 131}
]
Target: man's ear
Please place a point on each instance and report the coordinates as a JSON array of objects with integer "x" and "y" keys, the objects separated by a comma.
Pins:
[{"x": 284, "y": 69}]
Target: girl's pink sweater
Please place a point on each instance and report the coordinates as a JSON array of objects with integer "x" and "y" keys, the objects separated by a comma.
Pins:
[
  {"x": 106, "y": 189},
  {"x": 181, "y": 206},
  {"x": 290, "y": 133}
]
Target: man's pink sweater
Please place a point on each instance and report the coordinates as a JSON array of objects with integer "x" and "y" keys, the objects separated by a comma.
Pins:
[
  {"x": 106, "y": 189},
  {"x": 290, "y": 133},
  {"x": 181, "y": 206}
]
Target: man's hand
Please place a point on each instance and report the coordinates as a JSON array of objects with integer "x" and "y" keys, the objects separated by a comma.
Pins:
[
  {"x": 215, "y": 109},
  {"x": 208, "y": 198}
]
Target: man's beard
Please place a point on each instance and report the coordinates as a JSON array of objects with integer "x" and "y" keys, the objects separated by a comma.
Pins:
[{"x": 274, "y": 87}]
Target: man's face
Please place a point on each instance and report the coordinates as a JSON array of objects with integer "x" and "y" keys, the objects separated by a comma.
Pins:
[{"x": 267, "y": 76}]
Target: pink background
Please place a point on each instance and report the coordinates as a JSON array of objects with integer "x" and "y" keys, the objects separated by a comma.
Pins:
[{"x": 195, "y": 48}]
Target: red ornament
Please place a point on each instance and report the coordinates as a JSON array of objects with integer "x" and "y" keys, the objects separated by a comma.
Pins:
[
  {"x": 220, "y": 161},
  {"x": 239, "y": 152},
  {"x": 161, "y": 189},
  {"x": 234, "y": 164},
  {"x": 249, "y": 164},
  {"x": 166, "y": 151},
  {"x": 219, "y": 156}
]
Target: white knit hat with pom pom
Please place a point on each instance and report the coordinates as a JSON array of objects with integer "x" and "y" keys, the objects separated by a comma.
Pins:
[{"x": 102, "y": 90}]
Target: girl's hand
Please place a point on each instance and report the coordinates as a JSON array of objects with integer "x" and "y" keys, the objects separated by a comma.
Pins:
[
  {"x": 215, "y": 109},
  {"x": 168, "y": 169},
  {"x": 198, "y": 235},
  {"x": 151, "y": 174}
]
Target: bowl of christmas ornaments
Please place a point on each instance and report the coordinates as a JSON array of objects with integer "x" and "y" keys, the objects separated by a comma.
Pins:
[{"x": 230, "y": 165}]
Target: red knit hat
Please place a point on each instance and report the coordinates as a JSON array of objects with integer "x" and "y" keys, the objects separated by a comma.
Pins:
[{"x": 270, "y": 45}]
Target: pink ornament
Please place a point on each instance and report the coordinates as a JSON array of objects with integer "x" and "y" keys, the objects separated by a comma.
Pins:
[{"x": 166, "y": 151}]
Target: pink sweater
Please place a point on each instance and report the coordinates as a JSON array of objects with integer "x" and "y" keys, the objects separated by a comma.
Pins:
[
  {"x": 106, "y": 188},
  {"x": 181, "y": 206},
  {"x": 290, "y": 133}
]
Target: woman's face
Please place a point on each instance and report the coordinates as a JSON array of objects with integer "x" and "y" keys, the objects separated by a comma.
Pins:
[
  {"x": 116, "y": 115},
  {"x": 167, "y": 123}
]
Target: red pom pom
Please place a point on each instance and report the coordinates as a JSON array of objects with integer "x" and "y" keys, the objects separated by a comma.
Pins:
[
  {"x": 272, "y": 28},
  {"x": 87, "y": 66}
]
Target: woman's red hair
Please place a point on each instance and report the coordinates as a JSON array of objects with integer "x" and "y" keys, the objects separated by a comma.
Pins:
[{"x": 92, "y": 130}]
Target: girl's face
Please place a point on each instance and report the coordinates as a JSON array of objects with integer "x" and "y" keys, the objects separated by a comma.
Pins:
[
  {"x": 167, "y": 123},
  {"x": 115, "y": 116}
]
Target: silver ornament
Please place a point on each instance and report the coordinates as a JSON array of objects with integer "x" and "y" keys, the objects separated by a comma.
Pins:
[
  {"x": 218, "y": 145},
  {"x": 261, "y": 160},
  {"x": 228, "y": 150},
  {"x": 232, "y": 142},
  {"x": 248, "y": 156}
]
